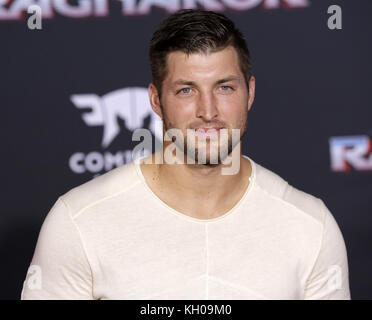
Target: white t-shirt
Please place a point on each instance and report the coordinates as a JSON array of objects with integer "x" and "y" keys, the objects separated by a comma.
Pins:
[{"x": 113, "y": 238}]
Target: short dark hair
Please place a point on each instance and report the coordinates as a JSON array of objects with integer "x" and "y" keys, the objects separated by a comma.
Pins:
[{"x": 193, "y": 31}]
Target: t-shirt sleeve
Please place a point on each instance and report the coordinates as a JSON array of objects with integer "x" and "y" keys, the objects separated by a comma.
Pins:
[
  {"x": 59, "y": 268},
  {"x": 329, "y": 278}
]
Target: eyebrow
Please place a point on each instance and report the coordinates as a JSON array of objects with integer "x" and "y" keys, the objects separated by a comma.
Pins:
[{"x": 192, "y": 83}]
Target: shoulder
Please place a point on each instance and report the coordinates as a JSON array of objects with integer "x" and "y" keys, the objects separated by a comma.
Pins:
[
  {"x": 105, "y": 186},
  {"x": 305, "y": 219},
  {"x": 278, "y": 189}
]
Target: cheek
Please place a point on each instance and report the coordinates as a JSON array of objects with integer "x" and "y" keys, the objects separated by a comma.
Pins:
[
  {"x": 179, "y": 113},
  {"x": 233, "y": 110}
]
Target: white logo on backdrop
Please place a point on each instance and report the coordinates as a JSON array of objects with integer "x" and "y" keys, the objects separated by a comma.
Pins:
[{"x": 129, "y": 104}]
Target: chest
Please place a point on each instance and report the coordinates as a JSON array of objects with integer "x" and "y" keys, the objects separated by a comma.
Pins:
[{"x": 197, "y": 264}]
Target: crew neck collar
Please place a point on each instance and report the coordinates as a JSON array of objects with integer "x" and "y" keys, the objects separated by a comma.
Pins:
[{"x": 137, "y": 165}]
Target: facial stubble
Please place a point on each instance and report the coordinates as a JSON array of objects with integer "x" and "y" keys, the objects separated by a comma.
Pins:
[{"x": 187, "y": 149}]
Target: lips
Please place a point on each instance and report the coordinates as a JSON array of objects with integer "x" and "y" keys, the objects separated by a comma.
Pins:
[
  {"x": 208, "y": 132},
  {"x": 207, "y": 129}
]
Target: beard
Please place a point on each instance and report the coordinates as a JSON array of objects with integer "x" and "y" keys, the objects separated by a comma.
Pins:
[{"x": 209, "y": 152}]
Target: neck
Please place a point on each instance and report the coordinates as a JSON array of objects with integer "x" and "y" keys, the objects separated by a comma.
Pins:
[{"x": 195, "y": 185}]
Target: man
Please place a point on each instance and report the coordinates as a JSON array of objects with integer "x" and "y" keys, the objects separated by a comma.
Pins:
[{"x": 157, "y": 230}]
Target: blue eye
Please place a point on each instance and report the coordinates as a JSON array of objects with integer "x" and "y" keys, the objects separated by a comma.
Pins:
[
  {"x": 227, "y": 87},
  {"x": 184, "y": 90}
]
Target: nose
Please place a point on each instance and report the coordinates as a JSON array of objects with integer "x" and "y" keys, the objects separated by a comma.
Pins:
[{"x": 207, "y": 107}]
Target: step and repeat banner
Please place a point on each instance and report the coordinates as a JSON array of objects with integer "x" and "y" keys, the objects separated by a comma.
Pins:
[{"x": 74, "y": 78}]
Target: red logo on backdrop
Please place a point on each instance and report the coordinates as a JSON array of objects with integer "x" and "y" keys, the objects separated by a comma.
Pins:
[
  {"x": 16, "y": 9},
  {"x": 351, "y": 153}
]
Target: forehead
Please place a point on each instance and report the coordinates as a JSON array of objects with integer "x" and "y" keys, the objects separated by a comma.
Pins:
[{"x": 202, "y": 65}]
